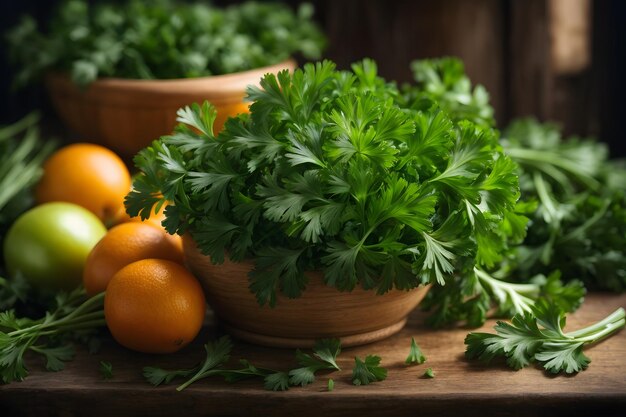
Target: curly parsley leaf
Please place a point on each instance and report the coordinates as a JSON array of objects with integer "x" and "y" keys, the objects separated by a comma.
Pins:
[
  {"x": 444, "y": 81},
  {"x": 164, "y": 40}
]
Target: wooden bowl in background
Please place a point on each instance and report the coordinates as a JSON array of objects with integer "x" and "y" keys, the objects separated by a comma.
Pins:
[
  {"x": 356, "y": 317},
  {"x": 127, "y": 115}
]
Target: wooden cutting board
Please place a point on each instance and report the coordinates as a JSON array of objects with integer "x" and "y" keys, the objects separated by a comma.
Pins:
[{"x": 460, "y": 388}]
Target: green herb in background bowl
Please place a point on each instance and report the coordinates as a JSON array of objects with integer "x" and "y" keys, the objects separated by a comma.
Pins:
[{"x": 117, "y": 73}]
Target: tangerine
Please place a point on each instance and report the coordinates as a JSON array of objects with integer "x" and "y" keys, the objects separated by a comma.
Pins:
[
  {"x": 89, "y": 175},
  {"x": 154, "y": 306},
  {"x": 124, "y": 244}
]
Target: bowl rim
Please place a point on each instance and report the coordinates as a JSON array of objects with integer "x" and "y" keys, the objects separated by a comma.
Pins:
[{"x": 223, "y": 84}]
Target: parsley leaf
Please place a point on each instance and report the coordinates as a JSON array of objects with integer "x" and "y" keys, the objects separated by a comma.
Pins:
[
  {"x": 415, "y": 354},
  {"x": 325, "y": 352},
  {"x": 106, "y": 369},
  {"x": 429, "y": 373},
  {"x": 368, "y": 371},
  {"x": 324, "y": 357}
]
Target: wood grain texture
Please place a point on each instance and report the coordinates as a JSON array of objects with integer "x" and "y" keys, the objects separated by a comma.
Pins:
[{"x": 460, "y": 387}]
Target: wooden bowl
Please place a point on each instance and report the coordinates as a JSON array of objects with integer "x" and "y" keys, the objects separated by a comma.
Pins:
[
  {"x": 126, "y": 115},
  {"x": 356, "y": 317}
]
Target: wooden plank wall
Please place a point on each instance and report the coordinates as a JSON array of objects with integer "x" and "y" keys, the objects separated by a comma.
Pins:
[{"x": 506, "y": 46}]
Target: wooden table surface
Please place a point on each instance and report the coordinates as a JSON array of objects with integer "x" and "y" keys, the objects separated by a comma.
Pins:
[{"x": 460, "y": 387}]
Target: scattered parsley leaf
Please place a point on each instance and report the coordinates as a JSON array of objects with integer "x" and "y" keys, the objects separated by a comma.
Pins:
[
  {"x": 324, "y": 356},
  {"x": 368, "y": 371},
  {"x": 429, "y": 373},
  {"x": 277, "y": 381},
  {"x": 331, "y": 384},
  {"x": 106, "y": 369},
  {"x": 415, "y": 354}
]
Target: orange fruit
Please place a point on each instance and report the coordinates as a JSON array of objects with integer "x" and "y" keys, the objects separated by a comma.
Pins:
[
  {"x": 124, "y": 244},
  {"x": 89, "y": 175},
  {"x": 154, "y": 306}
]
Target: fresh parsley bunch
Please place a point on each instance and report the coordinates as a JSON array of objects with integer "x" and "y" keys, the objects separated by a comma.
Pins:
[
  {"x": 579, "y": 226},
  {"x": 444, "y": 81},
  {"x": 329, "y": 173},
  {"x": 571, "y": 215},
  {"x": 161, "y": 39}
]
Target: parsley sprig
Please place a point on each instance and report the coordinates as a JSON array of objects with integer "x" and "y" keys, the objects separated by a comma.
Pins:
[
  {"x": 415, "y": 354},
  {"x": 579, "y": 226},
  {"x": 368, "y": 370},
  {"x": 569, "y": 224},
  {"x": 74, "y": 316},
  {"x": 22, "y": 152},
  {"x": 329, "y": 173},
  {"x": 324, "y": 357},
  {"x": 538, "y": 336}
]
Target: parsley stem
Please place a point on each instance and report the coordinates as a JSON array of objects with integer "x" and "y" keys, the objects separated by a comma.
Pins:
[
  {"x": 539, "y": 159},
  {"x": 77, "y": 326},
  {"x": 579, "y": 232},
  {"x": 83, "y": 313},
  {"x": 553, "y": 215},
  {"x": 198, "y": 376},
  {"x": 95, "y": 302},
  {"x": 15, "y": 128},
  {"x": 601, "y": 329}
]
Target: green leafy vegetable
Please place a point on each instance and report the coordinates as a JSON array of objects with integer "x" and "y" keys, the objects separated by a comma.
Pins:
[
  {"x": 22, "y": 153},
  {"x": 329, "y": 173},
  {"x": 415, "y": 354},
  {"x": 162, "y": 39},
  {"x": 579, "y": 226},
  {"x": 324, "y": 356},
  {"x": 331, "y": 384},
  {"x": 537, "y": 336},
  {"x": 444, "y": 81},
  {"x": 13, "y": 290},
  {"x": 429, "y": 373},
  {"x": 106, "y": 369},
  {"x": 368, "y": 371},
  {"x": 569, "y": 224},
  {"x": 49, "y": 336}
]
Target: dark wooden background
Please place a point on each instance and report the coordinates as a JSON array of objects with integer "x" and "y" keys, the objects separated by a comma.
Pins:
[{"x": 506, "y": 45}]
